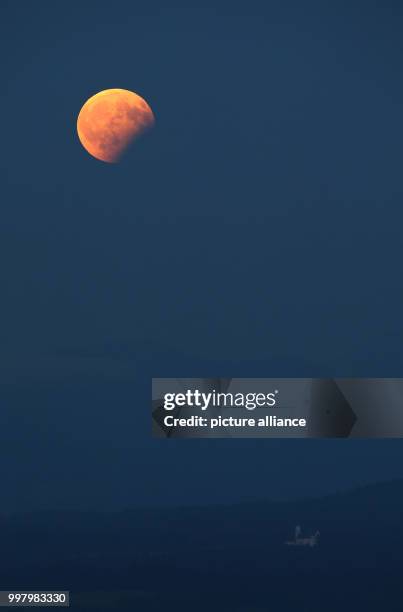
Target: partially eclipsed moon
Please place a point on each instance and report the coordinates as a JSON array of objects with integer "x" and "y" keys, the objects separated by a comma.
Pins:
[{"x": 109, "y": 121}]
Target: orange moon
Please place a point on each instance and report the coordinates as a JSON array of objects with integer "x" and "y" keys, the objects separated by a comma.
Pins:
[{"x": 109, "y": 122}]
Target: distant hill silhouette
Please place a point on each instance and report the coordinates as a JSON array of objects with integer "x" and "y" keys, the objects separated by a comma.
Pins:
[{"x": 229, "y": 557}]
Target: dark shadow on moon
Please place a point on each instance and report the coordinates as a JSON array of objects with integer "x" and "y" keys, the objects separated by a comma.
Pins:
[{"x": 141, "y": 147}]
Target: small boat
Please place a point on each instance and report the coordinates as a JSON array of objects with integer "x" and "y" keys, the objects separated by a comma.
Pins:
[{"x": 311, "y": 540}]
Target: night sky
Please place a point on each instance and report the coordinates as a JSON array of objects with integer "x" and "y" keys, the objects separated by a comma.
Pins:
[{"x": 256, "y": 231}]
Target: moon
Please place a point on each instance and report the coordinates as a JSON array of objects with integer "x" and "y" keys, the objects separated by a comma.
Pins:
[{"x": 109, "y": 122}]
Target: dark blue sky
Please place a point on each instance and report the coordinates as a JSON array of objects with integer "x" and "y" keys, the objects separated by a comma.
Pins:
[{"x": 257, "y": 231}]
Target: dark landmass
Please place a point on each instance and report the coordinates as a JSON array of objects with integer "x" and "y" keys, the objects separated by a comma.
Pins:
[{"x": 221, "y": 557}]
